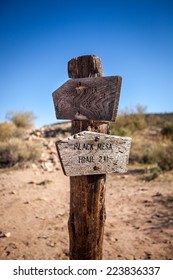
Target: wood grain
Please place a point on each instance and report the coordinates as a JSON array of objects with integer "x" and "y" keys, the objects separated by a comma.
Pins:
[
  {"x": 85, "y": 66},
  {"x": 88, "y": 153},
  {"x": 93, "y": 98},
  {"x": 87, "y": 217}
]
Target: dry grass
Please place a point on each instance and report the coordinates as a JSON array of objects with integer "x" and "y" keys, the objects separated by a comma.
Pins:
[
  {"x": 164, "y": 157},
  {"x": 167, "y": 130},
  {"x": 13, "y": 148},
  {"x": 21, "y": 119},
  {"x": 152, "y": 137},
  {"x": 17, "y": 151},
  {"x": 7, "y": 130}
]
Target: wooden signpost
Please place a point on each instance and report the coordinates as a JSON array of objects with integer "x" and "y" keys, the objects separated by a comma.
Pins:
[
  {"x": 90, "y": 100},
  {"x": 88, "y": 153}
]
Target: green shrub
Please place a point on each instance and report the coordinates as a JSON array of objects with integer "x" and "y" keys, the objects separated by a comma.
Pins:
[
  {"x": 18, "y": 151},
  {"x": 21, "y": 119},
  {"x": 165, "y": 157},
  {"x": 120, "y": 131}
]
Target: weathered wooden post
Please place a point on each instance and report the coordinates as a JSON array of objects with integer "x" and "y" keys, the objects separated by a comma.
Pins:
[
  {"x": 87, "y": 193},
  {"x": 91, "y": 101}
]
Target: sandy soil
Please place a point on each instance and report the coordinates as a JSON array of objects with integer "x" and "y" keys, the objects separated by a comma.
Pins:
[{"x": 34, "y": 207}]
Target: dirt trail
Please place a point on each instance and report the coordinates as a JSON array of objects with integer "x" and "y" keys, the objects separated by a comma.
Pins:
[{"x": 34, "y": 207}]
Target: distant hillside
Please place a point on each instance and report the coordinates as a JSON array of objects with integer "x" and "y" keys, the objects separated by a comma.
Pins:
[
  {"x": 129, "y": 123},
  {"x": 159, "y": 119},
  {"x": 132, "y": 121}
]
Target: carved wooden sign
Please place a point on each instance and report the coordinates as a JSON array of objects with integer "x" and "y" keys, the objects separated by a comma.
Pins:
[
  {"x": 88, "y": 153},
  {"x": 93, "y": 98}
]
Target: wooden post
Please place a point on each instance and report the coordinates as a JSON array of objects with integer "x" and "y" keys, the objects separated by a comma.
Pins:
[{"x": 87, "y": 193}]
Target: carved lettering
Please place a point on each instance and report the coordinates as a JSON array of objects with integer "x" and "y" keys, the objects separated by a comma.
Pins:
[
  {"x": 103, "y": 159},
  {"x": 104, "y": 146},
  {"x": 85, "y": 146},
  {"x": 87, "y": 159},
  {"x": 85, "y": 90},
  {"x": 93, "y": 153},
  {"x": 89, "y": 146}
]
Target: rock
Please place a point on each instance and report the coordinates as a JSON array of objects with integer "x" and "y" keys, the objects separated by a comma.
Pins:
[
  {"x": 43, "y": 183},
  {"x": 157, "y": 194},
  {"x": 47, "y": 166},
  {"x": 46, "y": 144},
  {"x": 2, "y": 234},
  {"x": 12, "y": 192},
  {"x": 124, "y": 176},
  {"x": 31, "y": 182},
  {"x": 53, "y": 159},
  {"x": 12, "y": 245},
  {"x": 40, "y": 218},
  {"x": 34, "y": 165},
  {"x": 51, "y": 244},
  {"x": 42, "y": 237},
  {"x": 148, "y": 255}
]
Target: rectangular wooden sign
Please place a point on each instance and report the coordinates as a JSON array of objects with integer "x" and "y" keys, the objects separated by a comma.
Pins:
[
  {"x": 94, "y": 98},
  {"x": 89, "y": 153}
]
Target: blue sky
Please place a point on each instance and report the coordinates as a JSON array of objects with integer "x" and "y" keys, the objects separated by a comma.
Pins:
[{"x": 134, "y": 39}]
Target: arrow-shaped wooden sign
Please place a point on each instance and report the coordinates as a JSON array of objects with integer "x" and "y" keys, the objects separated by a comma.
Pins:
[
  {"x": 88, "y": 153},
  {"x": 88, "y": 98}
]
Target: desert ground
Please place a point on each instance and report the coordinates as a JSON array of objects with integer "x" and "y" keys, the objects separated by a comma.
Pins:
[{"x": 34, "y": 210}]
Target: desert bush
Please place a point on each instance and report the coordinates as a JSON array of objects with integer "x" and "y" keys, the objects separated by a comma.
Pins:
[
  {"x": 165, "y": 157},
  {"x": 136, "y": 122},
  {"x": 18, "y": 151},
  {"x": 167, "y": 130},
  {"x": 152, "y": 154},
  {"x": 142, "y": 153},
  {"x": 129, "y": 121},
  {"x": 151, "y": 174},
  {"x": 7, "y": 130},
  {"x": 120, "y": 131},
  {"x": 21, "y": 119},
  {"x": 34, "y": 149},
  {"x": 154, "y": 120},
  {"x": 19, "y": 132}
]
